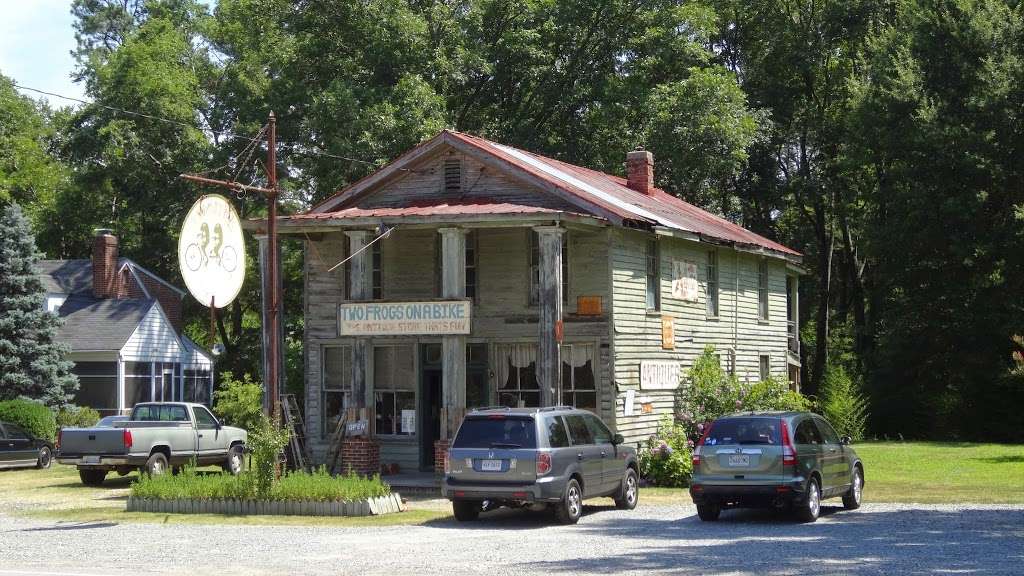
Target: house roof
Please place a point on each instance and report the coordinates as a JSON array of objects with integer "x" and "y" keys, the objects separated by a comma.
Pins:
[
  {"x": 446, "y": 209},
  {"x": 66, "y": 276},
  {"x": 106, "y": 324},
  {"x": 596, "y": 193}
]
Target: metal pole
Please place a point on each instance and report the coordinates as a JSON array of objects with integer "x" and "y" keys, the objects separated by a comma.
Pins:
[{"x": 275, "y": 295}]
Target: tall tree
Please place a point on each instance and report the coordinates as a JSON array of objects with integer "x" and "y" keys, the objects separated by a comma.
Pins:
[{"x": 32, "y": 363}]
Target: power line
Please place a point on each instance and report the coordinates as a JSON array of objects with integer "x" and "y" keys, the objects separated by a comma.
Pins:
[{"x": 295, "y": 147}]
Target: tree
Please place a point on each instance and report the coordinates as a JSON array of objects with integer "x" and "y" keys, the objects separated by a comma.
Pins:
[{"x": 32, "y": 363}]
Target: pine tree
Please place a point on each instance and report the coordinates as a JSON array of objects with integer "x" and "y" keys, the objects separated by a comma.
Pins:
[{"x": 32, "y": 363}]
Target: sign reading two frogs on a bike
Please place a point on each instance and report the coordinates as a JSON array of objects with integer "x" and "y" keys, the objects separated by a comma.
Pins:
[{"x": 211, "y": 251}]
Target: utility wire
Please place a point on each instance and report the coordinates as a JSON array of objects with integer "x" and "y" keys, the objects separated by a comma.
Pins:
[{"x": 302, "y": 150}]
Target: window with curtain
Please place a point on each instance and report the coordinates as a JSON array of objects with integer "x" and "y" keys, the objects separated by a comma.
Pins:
[
  {"x": 516, "y": 375},
  {"x": 762, "y": 290},
  {"x": 535, "y": 268},
  {"x": 394, "y": 388},
  {"x": 579, "y": 387},
  {"x": 653, "y": 257},
  {"x": 336, "y": 387},
  {"x": 712, "y": 284}
]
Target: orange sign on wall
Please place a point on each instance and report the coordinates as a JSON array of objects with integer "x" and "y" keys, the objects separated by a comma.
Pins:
[
  {"x": 668, "y": 334},
  {"x": 588, "y": 305}
]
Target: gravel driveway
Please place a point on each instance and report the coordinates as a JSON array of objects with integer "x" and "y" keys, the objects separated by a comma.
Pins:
[{"x": 878, "y": 539}]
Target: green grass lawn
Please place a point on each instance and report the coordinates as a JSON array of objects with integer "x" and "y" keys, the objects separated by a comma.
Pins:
[{"x": 937, "y": 472}]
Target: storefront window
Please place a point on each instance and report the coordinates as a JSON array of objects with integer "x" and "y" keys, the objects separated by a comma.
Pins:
[
  {"x": 516, "y": 374},
  {"x": 336, "y": 390},
  {"x": 394, "y": 385},
  {"x": 578, "y": 382}
]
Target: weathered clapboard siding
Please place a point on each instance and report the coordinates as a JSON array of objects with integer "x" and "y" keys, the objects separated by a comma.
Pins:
[
  {"x": 637, "y": 332},
  {"x": 479, "y": 184},
  {"x": 153, "y": 340},
  {"x": 405, "y": 453}
]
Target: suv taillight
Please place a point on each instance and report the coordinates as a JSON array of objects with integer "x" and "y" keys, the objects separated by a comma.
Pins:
[
  {"x": 696, "y": 449},
  {"x": 127, "y": 436},
  {"x": 543, "y": 463},
  {"x": 788, "y": 452}
]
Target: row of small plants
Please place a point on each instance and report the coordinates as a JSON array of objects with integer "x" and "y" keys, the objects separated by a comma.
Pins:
[
  {"x": 294, "y": 486},
  {"x": 708, "y": 392}
]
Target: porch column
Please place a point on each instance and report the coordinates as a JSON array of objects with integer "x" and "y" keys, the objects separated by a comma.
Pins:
[
  {"x": 549, "y": 240},
  {"x": 453, "y": 285},
  {"x": 360, "y": 288}
]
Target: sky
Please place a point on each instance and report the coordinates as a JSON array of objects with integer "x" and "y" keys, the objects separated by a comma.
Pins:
[{"x": 36, "y": 40}]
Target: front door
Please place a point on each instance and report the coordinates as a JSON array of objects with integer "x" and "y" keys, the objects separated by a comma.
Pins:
[{"x": 431, "y": 400}]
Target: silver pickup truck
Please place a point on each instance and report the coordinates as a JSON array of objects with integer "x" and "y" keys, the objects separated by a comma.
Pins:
[{"x": 158, "y": 435}]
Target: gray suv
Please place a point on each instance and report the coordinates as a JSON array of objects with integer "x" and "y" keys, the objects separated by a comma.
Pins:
[
  {"x": 537, "y": 458},
  {"x": 790, "y": 460}
]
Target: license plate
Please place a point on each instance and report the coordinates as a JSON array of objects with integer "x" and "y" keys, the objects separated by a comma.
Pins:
[
  {"x": 739, "y": 460},
  {"x": 490, "y": 465},
  {"x": 91, "y": 460}
]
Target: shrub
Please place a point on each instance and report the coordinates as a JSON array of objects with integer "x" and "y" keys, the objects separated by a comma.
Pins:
[
  {"x": 665, "y": 459},
  {"x": 35, "y": 418},
  {"x": 239, "y": 402},
  {"x": 266, "y": 441},
  {"x": 77, "y": 417},
  {"x": 711, "y": 393},
  {"x": 842, "y": 404}
]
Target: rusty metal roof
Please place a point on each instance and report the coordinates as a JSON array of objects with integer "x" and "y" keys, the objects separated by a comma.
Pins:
[{"x": 598, "y": 194}]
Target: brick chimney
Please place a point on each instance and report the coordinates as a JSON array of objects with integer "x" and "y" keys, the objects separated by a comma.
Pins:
[
  {"x": 640, "y": 171},
  {"x": 104, "y": 264}
]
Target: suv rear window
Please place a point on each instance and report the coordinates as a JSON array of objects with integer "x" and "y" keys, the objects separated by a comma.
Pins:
[
  {"x": 497, "y": 432},
  {"x": 745, "y": 431}
]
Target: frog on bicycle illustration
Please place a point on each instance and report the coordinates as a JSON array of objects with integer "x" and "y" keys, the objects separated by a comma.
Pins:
[{"x": 207, "y": 251}]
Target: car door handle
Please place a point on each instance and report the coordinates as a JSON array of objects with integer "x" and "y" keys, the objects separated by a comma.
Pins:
[
  {"x": 603, "y": 454},
  {"x": 579, "y": 456},
  {"x": 200, "y": 435}
]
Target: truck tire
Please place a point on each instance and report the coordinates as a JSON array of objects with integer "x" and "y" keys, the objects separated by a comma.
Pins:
[
  {"x": 92, "y": 477},
  {"x": 235, "y": 464},
  {"x": 569, "y": 510},
  {"x": 466, "y": 510},
  {"x": 157, "y": 464}
]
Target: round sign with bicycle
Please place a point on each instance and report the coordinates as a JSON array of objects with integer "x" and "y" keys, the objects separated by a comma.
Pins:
[{"x": 211, "y": 251}]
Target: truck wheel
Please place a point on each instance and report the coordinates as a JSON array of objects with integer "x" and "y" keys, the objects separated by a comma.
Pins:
[
  {"x": 235, "y": 463},
  {"x": 811, "y": 507},
  {"x": 157, "y": 464},
  {"x": 465, "y": 510},
  {"x": 708, "y": 512},
  {"x": 45, "y": 457},
  {"x": 628, "y": 492},
  {"x": 569, "y": 510},
  {"x": 92, "y": 477}
]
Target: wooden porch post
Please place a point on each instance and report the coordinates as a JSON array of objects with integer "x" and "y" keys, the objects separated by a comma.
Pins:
[
  {"x": 453, "y": 285},
  {"x": 549, "y": 240},
  {"x": 360, "y": 288}
]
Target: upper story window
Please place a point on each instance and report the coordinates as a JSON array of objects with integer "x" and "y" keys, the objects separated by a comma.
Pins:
[
  {"x": 712, "y": 284},
  {"x": 470, "y": 287},
  {"x": 453, "y": 176},
  {"x": 535, "y": 268},
  {"x": 378, "y": 273},
  {"x": 653, "y": 258},
  {"x": 762, "y": 290}
]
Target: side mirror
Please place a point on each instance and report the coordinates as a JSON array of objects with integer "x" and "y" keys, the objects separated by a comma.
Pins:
[
  {"x": 618, "y": 439},
  {"x": 846, "y": 440}
]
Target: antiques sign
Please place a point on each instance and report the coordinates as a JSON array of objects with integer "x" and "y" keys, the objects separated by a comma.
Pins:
[
  {"x": 659, "y": 375},
  {"x": 684, "y": 280},
  {"x": 211, "y": 251},
  {"x": 404, "y": 318}
]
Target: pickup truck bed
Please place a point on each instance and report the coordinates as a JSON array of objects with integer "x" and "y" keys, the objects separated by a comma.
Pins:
[{"x": 182, "y": 434}]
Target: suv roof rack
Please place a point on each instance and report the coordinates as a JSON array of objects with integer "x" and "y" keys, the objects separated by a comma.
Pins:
[
  {"x": 552, "y": 408},
  {"x": 482, "y": 408}
]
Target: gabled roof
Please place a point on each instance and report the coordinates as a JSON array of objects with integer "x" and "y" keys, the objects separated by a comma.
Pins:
[
  {"x": 595, "y": 193},
  {"x": 106, "y": 324},
  {"x": 66, "y": 276}
]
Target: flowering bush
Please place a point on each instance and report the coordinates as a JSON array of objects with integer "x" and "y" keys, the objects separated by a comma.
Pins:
[
  {"x": 712, "y": 393},
  {"x": 665, "y": 459}
]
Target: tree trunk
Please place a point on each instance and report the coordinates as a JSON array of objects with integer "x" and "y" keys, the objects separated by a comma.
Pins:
[{"x": 826, "y": 249}]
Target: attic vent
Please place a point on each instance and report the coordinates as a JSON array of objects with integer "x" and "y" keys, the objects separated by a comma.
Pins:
[{"x": 453, "y": 176}]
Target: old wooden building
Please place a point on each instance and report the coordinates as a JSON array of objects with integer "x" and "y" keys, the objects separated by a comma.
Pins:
[{"x": 479, "y": 274}]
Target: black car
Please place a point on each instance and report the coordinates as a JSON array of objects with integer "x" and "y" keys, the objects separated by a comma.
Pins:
[{"x": 19, "y": 448}]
